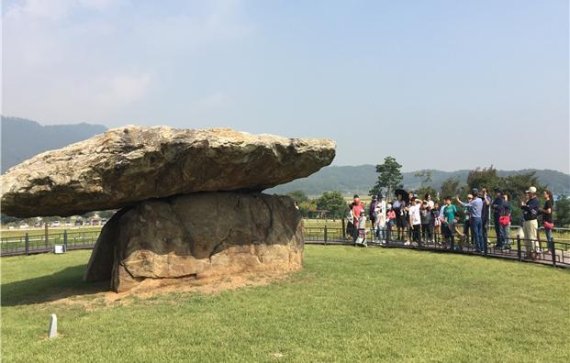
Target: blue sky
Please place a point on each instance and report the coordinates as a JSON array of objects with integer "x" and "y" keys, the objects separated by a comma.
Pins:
[{"x": 437, "y": 84}]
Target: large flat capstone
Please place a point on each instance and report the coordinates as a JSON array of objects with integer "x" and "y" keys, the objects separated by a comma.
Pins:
[
  {"x": 198, "y": 235},
  {"x": 131, "y": 164}
]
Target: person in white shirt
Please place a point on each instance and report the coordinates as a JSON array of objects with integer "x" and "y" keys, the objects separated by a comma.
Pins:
[
  {"x": 415, "y": 220},
  {"x": 380, "y": 227},
  {"x": 361, "y": 240}
]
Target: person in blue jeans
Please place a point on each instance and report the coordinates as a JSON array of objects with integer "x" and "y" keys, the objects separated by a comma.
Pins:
[
  {"x": 498, "y": 207},
  {"x": 506, "y": 228},
  {"x": 475, "y": 206}
]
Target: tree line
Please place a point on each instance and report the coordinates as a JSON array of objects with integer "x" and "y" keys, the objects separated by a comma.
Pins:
[{"x": 333, "y": 205}]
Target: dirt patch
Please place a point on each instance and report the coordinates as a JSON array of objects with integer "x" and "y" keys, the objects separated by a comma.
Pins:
[{"x": 153, "y": 287}]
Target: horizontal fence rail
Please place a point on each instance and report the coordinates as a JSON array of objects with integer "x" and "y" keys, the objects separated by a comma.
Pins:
[
  {"x": 517, "y": 248},
  {"x": 34, "y": 242}
]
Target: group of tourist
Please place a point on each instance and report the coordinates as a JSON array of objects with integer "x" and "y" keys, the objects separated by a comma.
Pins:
[{"x": 413, "y": 220}]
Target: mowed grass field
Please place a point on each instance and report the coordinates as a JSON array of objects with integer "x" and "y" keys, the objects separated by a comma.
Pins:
[{"x": 348, "y": 304}]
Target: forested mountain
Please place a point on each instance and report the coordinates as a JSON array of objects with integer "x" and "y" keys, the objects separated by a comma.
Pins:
[
  {"x": 22, "y": 139},
  {"x": 359, "y": 179}
]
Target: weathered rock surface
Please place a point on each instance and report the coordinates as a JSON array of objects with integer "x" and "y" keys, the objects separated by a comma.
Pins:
[
  {"x": 200, "y": 235},
  {"x": 127, "y": 165}
]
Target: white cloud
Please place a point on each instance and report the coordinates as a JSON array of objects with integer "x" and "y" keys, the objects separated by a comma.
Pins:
[
  {"x": 96, "y": 60},
  {"x": 99, "y": 4},
  {"x": 53, "y": 10},
  {"x": 215, "y": 102},
  {"x": 34, "y": 10},
  {"x": 121, "y": 89}
]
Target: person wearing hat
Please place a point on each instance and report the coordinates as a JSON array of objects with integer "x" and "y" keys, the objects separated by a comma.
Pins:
[
  {"x": 530, "y": 210},
  {"x": 475, "y": 207},
  {"x": 498, "y": 210}
]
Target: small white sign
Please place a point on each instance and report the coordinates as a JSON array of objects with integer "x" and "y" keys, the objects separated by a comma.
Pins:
[{"x": 57, "y": 249}]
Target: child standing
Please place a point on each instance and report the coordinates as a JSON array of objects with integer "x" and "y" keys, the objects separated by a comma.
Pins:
[
  {"x": 427, "y": 219},
  {"x": 361, "y": 240}
]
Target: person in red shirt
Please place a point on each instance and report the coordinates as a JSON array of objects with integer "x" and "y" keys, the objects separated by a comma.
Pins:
[{"x": 357, "y": 209}]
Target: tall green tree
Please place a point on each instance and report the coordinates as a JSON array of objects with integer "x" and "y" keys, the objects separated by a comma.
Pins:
[
  {"x": 298, "y": 196},
  {"x": 390, "y": 176},
  {"x": 450, "y": 187},
  {"x": 425, "y": 187},
  {"x": 515, "y": 186},
  {"x": 483, "y": 178},
  {"x": 306, "y": 206},
  {"x": 333, "y": 203},
  {"x": 425, "y": 176},
  {"x": 562, "y": 211}
]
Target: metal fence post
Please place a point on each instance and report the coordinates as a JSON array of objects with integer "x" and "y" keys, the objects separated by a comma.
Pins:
[
  {"x": 343, "y": 229},
  {"x": 553, "y": 252},
  {"x": 519, "y": 253},
  {"x": 27, "y": 244},
  {"x": 46, "y": 235},
  {"x": 65, "y": 240},
  {"x": 326, "y": 234}
]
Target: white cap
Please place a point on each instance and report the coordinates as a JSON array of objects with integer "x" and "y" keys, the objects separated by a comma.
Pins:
[{"x": 531, "y": 190}]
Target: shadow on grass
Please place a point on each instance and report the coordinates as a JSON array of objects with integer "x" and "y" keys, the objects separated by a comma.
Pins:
[{"x": 62, "y": 284}]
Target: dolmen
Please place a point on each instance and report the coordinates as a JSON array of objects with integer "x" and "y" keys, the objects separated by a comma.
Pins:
[{"x": 190, "y": 202}]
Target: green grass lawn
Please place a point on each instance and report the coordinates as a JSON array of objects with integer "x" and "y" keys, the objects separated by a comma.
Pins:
[{"x": 348, "y": 304}]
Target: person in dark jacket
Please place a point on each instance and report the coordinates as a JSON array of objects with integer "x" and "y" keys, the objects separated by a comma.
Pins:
[
  {"x": 372, "y": 214},
  {"x": 530, "y": 210},
  {"x": 485, "y": 214},
  {"x": 547, "y": 218},
  {"x": 498, "y": 210}
]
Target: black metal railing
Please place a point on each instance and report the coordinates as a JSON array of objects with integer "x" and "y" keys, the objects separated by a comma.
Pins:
[
  {"x": 36, "y": 242},
  {"x": 517, "y": 248}
]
